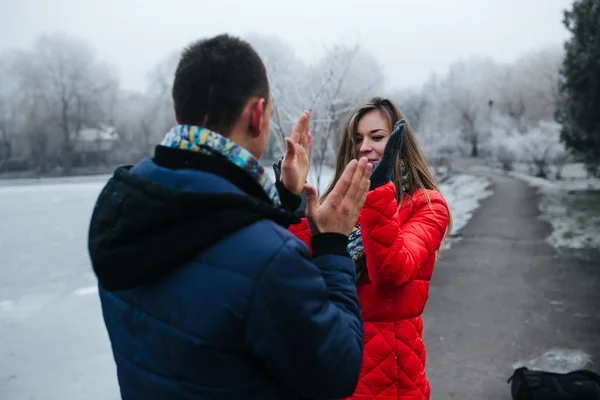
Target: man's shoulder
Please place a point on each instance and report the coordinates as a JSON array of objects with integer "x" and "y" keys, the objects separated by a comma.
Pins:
[
  {"x": 266, "y": 237},
  {"x": 256, "y": 246}
]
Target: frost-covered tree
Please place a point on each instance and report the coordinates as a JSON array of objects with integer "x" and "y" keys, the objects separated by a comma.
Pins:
[
  {"x": 329, "y": 88},
  {"x": 8, "y": 109},
  {"x": 158, "y": 116},
  {"x": 579, "y": 103},
  {"x": 287, "y": 75},
  {"x": 414, "y": 104},
  {"x": 527, "y": 89},
  {"x": 345, "y": 76},
  {"x": 542, "y": 148},
  {"x": 469, "y": 90},
  {"x": 61, "y": 87}
]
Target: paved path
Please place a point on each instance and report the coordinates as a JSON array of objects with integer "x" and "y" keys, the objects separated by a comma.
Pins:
[{"x": 501, "y": 295}]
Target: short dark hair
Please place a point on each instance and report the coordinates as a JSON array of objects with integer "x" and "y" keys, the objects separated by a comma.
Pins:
[{"x": 214, "y": 80}]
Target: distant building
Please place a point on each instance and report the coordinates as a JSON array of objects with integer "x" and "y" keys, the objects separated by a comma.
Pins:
[
  {"x": 93, "y": 146},
  {"x": 93, "y": 140}
]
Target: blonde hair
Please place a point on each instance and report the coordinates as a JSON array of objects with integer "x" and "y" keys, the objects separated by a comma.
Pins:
[{"x": 415, "y": 163}]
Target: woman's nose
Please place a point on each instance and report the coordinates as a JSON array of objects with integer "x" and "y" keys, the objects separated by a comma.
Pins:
[{"x": 365, "y": 147}]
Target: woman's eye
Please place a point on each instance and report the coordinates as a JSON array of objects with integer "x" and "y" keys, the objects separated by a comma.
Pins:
[
  {"x": 358, "y": 140},
  {"x": 377, "y": 138}
]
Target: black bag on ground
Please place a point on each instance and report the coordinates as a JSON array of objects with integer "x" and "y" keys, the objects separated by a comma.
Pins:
[{"x": 540, "y": 385}]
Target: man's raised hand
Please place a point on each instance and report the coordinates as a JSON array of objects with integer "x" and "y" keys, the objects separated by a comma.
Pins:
[
  {"x": 340, "y": 210},
  {"x": 296, "y": 161}
]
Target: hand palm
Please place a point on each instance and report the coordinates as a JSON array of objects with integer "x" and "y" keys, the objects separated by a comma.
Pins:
[{"x": 296, "y": 162}]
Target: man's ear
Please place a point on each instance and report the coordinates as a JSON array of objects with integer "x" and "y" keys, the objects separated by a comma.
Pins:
[{"x": 256, "y": 115}]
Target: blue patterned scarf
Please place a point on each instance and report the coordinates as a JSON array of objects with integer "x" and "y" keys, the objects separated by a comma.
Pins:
[
  {"x": 355, "y": 243},
  {"x": 202, "y": 140}
]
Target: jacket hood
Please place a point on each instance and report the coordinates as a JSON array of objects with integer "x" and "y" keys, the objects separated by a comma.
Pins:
[{"x": 140, "y": 230}]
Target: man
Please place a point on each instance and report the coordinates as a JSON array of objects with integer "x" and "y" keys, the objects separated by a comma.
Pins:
[{"x": 205, "y": 294}]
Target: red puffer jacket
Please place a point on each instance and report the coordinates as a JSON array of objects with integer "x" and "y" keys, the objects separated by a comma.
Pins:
[{"x": 400, "y": 245}]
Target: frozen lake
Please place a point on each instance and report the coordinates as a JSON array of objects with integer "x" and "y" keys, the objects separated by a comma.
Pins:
[{"x": 54, "y": 344}]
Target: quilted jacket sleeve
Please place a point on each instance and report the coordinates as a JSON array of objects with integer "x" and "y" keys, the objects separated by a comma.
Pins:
[
  {"x": 305, "y": 321},
  {"x": 399, "y": 241},
  {"x": 301, "y": 231}
]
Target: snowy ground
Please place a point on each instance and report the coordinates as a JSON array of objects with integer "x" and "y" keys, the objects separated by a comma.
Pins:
[
  {"x": 572, "y": 207},
  {"x": 557, "y": 360},
  {"x": 54, "y": 344},
  {"x": 464, "y": 194}
]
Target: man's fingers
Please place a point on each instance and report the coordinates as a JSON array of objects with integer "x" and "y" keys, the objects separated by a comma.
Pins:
[
  {"x": 311, "y": 200},
  {"x": 304, "y": 122},
  {"x": 368, "y": 170},
  {"x": 296, "y": 131},
  {"x": 351, "y": 193},
  {"x": 300, "y": 128},
  {"x": 305, "y": 142},
  {"x": 305, "y": 119},
  {"x": 363, "y": 195},
  {"x": 290, "y": 149},
  {"x": 341, "y": 187},
  {"x": 364, "y": 186},
  {"x": 355, "y": 204}
]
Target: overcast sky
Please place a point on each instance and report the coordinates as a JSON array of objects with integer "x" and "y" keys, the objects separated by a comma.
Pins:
[{"x": 410, "y": 38}]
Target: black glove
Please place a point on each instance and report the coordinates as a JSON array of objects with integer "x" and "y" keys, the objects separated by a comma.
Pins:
[
  {"x": 382, "y": 173},
  {"x": 277, "y": 168},
  {"x": 292, "y": 203}
]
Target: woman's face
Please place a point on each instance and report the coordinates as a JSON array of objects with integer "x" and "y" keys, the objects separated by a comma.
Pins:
[{"x": 372, "y": 134}]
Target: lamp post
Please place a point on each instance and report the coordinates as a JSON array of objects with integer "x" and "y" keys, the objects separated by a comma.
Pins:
[{"x": 491, "y": 106}]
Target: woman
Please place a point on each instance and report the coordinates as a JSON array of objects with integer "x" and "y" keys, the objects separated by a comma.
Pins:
[{"x": 394, "y": 245}]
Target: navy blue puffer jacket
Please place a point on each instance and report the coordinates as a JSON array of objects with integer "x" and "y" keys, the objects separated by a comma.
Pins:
[{"x": 206, "y": 295}]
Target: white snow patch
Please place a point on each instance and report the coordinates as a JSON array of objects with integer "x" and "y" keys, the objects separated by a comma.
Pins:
[
  {"x": 559, "y": 361},
  {"x": 27, "y": 306},
  {"x": 464, "y": 194},
  {"x": 86, "y": 291},
  {"x": 572, "y": 207},
  {"x": 569, "y": 171}
]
